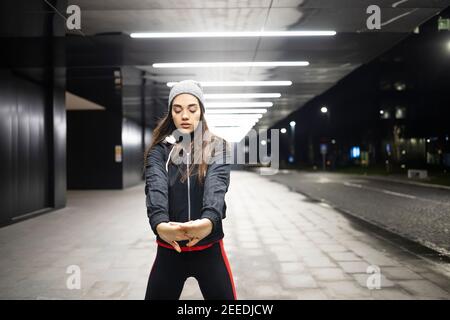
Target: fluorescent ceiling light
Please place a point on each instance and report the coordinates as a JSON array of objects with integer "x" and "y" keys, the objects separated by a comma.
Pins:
[
  {"x": 239, "y": 122},
  {"x": 232, "y": 64},
  {"x": 240, "y": 83},
  {"x": 233, "y": 116},
  {"x": 234, "y": 128},
  {"x": 261, "y": 104},
  {"x": 242, "y": 116},
  {"x": 217, "y": 96},
  {"x": 237, "y": 119},
  {"x": 239, "y": 34},
  {"x": 235, "y": 111}
]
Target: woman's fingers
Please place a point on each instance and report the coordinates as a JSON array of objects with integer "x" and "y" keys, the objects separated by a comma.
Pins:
[
  {"x": 193, "y": 242},
  {"x": 176, "y": 246}
]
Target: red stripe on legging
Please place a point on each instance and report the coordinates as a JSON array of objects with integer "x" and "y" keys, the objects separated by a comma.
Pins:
[{"x": 227, "y": 264}]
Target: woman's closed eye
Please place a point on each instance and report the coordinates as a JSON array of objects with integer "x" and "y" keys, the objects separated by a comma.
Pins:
[{"x": 192, "y": 110}]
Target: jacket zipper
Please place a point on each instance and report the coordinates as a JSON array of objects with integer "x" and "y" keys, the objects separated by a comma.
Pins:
[{"x": 188, "y": 186}]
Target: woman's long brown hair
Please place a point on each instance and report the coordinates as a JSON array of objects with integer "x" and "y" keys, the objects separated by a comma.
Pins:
[{"x": 166, "y": 127}]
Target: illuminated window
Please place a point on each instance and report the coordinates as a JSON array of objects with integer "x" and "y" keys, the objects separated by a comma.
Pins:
[
  {"x": 355, "y": 152},
  {"x": 400, "y": 112}
]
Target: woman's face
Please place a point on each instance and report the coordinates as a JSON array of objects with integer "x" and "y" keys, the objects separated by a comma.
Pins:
[{"x": 186, "y": 112}]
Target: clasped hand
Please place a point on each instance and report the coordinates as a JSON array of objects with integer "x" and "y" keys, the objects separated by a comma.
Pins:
[{"x": 194, "y": 231}]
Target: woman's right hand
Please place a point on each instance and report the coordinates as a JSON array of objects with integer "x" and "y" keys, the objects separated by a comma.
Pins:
[{"x": 171, "y": 232}]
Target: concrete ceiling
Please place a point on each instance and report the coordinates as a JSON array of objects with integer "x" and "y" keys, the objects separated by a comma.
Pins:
[{"x": 106, "y": 24}]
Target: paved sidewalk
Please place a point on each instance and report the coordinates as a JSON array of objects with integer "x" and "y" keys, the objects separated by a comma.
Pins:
[{"x": 280, "y": 246}]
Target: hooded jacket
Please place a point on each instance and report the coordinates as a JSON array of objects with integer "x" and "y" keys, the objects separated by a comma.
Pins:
[{"x": 170, "y": 199}]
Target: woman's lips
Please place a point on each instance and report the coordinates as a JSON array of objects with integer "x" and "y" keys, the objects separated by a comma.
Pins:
[{"x": 185, "y": 125}]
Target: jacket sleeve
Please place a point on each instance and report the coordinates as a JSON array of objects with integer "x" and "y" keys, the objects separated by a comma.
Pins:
[
  {"x": 217, "y": 181},
  {"x": 156, "y": 187}
]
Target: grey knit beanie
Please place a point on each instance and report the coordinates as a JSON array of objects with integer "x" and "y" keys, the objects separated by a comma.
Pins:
[{"x": 187, "y": 86}]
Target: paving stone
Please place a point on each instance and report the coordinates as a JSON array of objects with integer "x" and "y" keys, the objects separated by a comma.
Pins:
[
  {"x": 311, "y": 294},
  {"x": 332, "y": 248},
  {"x": 354, "y": 266},
  {"x": 291, "y": 267},
  {"x": 345, "y": 290},
  {"x": 439, "y": 279},
  {"x": 286, "y": 256},
  {"x": 344, "y": 256},
  {"x": 381, "y": 260},
  {"x": 318, "y": 261},
  {"x": 266, "y": 291},
  {"x": 107, "y": 289},
  {"x": 424, "y": 288},
  {"x": 400, "y": 273},
  {"x": 298, "y": 281},
  {"x": 391, "y": 294},
  {"x": 329, "y": 274}
]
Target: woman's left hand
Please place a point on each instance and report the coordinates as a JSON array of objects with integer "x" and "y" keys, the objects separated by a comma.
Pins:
[{"x": 196, "y": 230}]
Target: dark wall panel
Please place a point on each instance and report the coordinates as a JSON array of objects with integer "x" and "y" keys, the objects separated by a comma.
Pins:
[
  {"x": 8, "y": 119},
  {"x": 24, "y": 154},
  {"x": 32, "y": 175},
  {"x": 32, "y": 108},
  {"x": 59, "y": 129}
]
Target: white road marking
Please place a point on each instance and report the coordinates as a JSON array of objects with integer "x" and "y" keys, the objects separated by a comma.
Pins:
[
  {"x": 399, "y": 2},
  {"x": 348, "y": 184},
  {"x": 399, "y": 194},
  {"x": 392, "y": 193}
]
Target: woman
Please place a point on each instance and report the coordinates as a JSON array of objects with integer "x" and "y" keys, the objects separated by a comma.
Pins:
[{"x": 187, "y": 177}]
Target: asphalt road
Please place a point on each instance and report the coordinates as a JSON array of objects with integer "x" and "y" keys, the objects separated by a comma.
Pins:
[{"x": 419, "y": 213}]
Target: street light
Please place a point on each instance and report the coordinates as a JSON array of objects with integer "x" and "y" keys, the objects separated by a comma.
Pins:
[
  {"x": 292, "y": 157},
  {"x": 283, "y": 130},
  {"x": 324, "y": 109}
]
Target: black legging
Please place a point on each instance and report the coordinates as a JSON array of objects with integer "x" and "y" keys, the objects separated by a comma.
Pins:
[{"x": 209, "y": 266}]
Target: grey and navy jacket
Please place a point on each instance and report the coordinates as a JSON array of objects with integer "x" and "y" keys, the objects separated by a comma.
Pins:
[{"x": 170, "y": 199}]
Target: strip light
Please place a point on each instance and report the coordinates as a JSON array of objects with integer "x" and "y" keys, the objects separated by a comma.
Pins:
[
  {"x": 240, "y": 122},
  {"x": 233, "y": 116},
  {"x": 218, "y": 96},
  {"x": 261, "y": 104},
  {"x": 240, "y": 83},
  {"x": 235, "y": 111},
  {"x": 231, "y": 64},
  {"x": 244, "y": 34}
]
